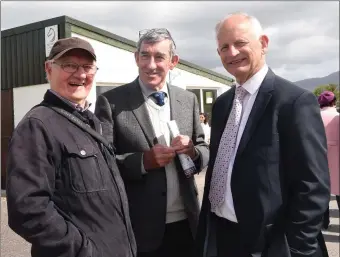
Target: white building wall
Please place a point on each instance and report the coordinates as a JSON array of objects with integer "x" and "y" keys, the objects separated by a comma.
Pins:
[
  {"x": 185, "y": 79},
  {"x": 24, "y": 98},
  {"x": 119, "y": 66},
  {"x": 115, "y": 65}
]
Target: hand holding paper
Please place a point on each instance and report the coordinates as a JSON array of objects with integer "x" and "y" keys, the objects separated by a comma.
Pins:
[
  {"x": 158, "y": 156},
  {"x": 183, "y": 144}
]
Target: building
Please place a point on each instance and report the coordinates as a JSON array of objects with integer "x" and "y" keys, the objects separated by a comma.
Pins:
[{"x": 24, "y": 50}]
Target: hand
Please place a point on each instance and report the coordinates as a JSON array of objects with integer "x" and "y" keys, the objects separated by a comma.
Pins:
[
  {"x": 184, "y": 144},
  {"x": 158, "y": 156}
]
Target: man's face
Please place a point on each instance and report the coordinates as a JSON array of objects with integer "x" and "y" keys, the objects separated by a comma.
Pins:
[
  {"x": 73, "y": 86},
  {"x": 202, "y": 118},
  {"x": 241, "y": 52},
  {"x": 154, "y": 62}
]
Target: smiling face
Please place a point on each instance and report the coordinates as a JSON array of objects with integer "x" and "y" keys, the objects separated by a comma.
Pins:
[
  {"x": 154, "y": 62},
  {"x": 242, "y": 52},
  {"x": 73, "y": 86}
]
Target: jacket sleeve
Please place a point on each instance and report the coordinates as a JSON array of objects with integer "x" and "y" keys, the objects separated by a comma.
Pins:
[
  {"x": 130, "y": 164},
  {"x": 31, "y": 177},
  {"x": 305, "y": 159},
  {"x": 198, "y": 139}
]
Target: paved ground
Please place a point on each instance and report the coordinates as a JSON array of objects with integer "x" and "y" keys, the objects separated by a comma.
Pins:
[{"x": 13, "y": 246}]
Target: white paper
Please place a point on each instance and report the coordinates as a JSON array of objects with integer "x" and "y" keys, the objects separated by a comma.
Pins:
[{"x": 187, "y": 164}]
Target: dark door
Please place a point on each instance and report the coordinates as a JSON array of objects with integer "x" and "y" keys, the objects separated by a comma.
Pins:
[
  {"x": 7, "y": 126},
  {"x": 198, "y": 95},
  {"x": 209, "y": 97}
]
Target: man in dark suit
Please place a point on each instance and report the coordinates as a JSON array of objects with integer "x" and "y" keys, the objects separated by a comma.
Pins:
[
  {"x": 267, "y": 182},
  {"x": 163, "y": 202}
]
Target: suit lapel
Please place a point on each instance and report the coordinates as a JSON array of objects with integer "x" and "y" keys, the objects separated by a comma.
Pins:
[
  {"x": 176, "y": 107},
  {"x": 139, "y": 109},
  {"x": 224, "y": 114},
  {"x": 263, "y": 97}
]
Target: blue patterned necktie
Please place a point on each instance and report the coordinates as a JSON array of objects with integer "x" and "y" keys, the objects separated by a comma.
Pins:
[{"x": 159, "y": 96}]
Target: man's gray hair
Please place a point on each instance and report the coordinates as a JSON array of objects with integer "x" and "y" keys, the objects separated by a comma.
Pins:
[
  {"x": 256, "y": 25},
  {"x": 152, "y": 36}
]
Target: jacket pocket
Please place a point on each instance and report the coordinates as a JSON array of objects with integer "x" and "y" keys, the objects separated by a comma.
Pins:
[{"x": 84, "y": 169}]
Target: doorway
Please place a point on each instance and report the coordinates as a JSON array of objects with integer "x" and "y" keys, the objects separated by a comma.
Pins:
[{"x": 206, "y": 98}]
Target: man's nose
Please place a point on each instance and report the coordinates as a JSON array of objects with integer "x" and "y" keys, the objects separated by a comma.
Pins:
[
  {"x": 152, "y": 63},
  {"x": 233, "y": 51},
  {"x": 80, "y": 72}
]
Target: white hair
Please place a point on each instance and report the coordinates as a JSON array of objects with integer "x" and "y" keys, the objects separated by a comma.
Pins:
[{"x": 255, "y": 24}]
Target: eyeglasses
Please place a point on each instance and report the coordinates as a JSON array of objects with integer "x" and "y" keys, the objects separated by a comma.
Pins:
[
  {"x": 89, "y": 69},
  {"x": 157, "y": 30}
]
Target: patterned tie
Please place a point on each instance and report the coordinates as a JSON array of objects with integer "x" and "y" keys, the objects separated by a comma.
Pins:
[
  {"x": 159, "y": 96},
  {"x": 225, "y": 151}
]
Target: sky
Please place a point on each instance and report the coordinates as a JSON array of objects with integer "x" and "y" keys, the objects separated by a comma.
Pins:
[{"x": 303, "y": 36}]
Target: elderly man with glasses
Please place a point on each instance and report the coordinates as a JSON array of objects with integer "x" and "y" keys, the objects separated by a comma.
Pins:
[
  {"x": 163, "y": 200},
  {"x": 64, "y": 192}
]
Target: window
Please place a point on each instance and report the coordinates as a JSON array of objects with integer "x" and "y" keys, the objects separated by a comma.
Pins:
[
  {"x": 102, "y": 87},
  {"x": 206, "y": 98}
]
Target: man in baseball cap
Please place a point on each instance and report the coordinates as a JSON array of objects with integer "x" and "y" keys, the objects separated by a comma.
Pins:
[
  {"x": 64, "y": 191},
  {"x": 70, "y": 68},
  {"x": 66, "y": 44}
]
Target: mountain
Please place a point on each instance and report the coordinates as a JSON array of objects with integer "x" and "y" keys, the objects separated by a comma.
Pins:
[{"x": 312, "y": 83}]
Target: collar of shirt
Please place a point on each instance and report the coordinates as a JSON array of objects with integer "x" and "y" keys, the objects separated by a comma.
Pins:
[
  {"x": 329, "y": 108},
  {"x": 147, "y": 91},
  {"x": 72, "y": 104},
  {"x": 254, "y": 83}
]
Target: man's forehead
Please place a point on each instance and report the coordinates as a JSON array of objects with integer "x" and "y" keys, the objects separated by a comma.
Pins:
[
  {"x": 77, "y": 53},
  {"x": 160, "y": 45},
  {"x": 239, "y": 31}
]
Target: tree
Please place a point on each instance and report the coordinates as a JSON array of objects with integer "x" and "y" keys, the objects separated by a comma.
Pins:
[{"x": 328, "y": 87}]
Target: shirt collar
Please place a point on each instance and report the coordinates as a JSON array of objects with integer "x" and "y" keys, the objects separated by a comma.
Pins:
[
  {"x": 147, "y": 91},
  {"x": 329, "y": 108},
  {"x": 72, "y": 104},
  {"x": 254, "y": 83}
]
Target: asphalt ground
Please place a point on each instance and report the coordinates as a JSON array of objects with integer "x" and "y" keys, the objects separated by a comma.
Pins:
[{"x": 14, "y": 246}]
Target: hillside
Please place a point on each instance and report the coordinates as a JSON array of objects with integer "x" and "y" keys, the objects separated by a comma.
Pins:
[{"x": 312, "y": 83}]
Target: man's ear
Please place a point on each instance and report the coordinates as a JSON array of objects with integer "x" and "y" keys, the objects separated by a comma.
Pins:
[
  {"x": 264, "y": 43},
  {"x": 137, "y": 57},
  {"x": 218, "y": 51},
  {"x": 48, "y": 69},
  {"x": 174, "y": 61}
]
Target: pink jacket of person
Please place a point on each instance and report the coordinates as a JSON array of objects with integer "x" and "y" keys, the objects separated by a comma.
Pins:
[{"x": 330, "y": 118}]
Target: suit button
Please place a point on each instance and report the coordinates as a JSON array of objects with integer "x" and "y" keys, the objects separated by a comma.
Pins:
[{"x": 163, "y": 193}]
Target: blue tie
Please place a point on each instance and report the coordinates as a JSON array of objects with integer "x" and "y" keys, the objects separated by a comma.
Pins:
[{"x": 159, "y": 96}]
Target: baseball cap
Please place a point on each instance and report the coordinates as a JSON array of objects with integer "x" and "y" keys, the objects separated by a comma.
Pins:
[
  {"x": 66, "y": 44},
  {"x": 326, "y": 97}
]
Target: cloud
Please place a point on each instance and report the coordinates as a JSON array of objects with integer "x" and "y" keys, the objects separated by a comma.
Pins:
[{"x": 304, "y": 36}]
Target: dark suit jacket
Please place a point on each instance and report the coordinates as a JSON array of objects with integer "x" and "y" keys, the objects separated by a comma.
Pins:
[
  {"x": 280, "y": 179},
  {"x": 127, "y": 124}
]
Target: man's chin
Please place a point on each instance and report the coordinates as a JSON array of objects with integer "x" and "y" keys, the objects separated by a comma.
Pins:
[
  {"x": 154, "y": 83},
  {"x": 236, "y": 72}
]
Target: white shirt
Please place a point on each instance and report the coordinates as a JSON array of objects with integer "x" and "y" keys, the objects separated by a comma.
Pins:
[
  {"x": 159, "y": 116},
  {"x": 206, "y": 129},
  {"x": 226, "y": 210}
]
